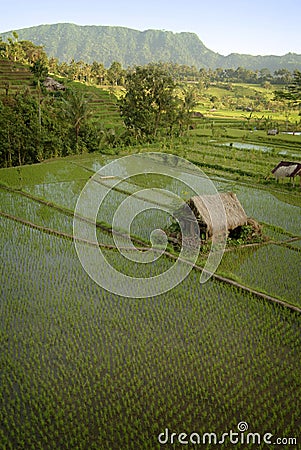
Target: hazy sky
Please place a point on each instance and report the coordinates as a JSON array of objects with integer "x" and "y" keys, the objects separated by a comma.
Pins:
[{"x": 257, "y": 27}]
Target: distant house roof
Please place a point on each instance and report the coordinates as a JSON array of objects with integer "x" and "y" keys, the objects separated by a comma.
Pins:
[
  {"x": 287, "y": 169},
  {"x": 206, "y": 207},
  {"x": 53, "y": 85}
]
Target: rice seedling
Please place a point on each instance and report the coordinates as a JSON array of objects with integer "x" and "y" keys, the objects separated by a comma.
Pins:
[
  {"x": 84, "y": 368},
  {"x": 266, "y": 268}
]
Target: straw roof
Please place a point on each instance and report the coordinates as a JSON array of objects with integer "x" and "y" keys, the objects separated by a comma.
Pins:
[
  {"x": 53, "y": 85},
  {"x": 216, "y": 212},
  {"x": 287, "y": 169}
]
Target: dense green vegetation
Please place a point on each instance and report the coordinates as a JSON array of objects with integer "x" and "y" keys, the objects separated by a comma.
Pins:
[
  {"x": 84, "y": 368},
  {"x": 155, "y": 103},
  {"x": 97, "y": 72},
  {"x": 107, "y": 44},
  {"x": 151, "y": 107},
  {"x": 36, "y": 124}
]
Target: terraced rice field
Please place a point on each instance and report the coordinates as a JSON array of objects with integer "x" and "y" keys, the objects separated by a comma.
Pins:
[
  {"x": 85, "y": 368},
  {"x": 14, "y": 76}
]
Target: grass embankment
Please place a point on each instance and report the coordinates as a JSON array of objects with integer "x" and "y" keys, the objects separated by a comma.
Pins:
[
  {"x": 103, "y": 103},
  {"x": 14, "y": 76},
  {"x": 247, "y": 102}
]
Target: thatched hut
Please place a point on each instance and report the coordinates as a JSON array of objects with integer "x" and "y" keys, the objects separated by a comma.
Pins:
[
  {"x": 53, "y": 85},
  {"x": 287, "y": 169},
  {"x": 223, "y": 209}
]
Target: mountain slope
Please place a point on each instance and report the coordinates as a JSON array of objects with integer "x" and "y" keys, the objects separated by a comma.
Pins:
[
  {"x": 130, "y": 47},
  {"x": 290, "y": 61},
  {"x": 107, "y": 44}
]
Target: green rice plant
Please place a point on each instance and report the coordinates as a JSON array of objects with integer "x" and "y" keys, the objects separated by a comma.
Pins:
[
  {"x": 267, "y": 269},
  {"x": 174, "y": 353},
  {"x": 267, "y": 208},
  {"x": 84, "y": 368}
]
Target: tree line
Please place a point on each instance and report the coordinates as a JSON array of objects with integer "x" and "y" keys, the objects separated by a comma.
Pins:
[
  {"x": 41, "y": 126},
  {"x": 53, "y": 124},
  {"x": 38, "y": 125},
  {"x": 97, "y": 73}
]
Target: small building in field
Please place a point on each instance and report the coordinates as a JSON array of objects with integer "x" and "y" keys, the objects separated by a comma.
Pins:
[
  {"x": 53, "y": 85},
  {"x": 223, "y": 209},
  {"x": 287, "y": 169}
]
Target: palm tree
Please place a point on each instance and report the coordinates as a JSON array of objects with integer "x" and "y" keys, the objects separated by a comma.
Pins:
[
  {"x": 188, "y": 103},
  {"x": 76, "y": 109}
]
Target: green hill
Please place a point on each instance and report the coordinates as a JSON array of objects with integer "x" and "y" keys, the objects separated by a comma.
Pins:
[
  {"x": 130, "y": 47},
  {"x": 15, "y": 77},
  {"x": 106, "y": 44},
  {"x": 103, "y": 104}
]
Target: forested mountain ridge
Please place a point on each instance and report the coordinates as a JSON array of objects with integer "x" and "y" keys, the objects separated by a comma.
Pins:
[{"x": 107, "y": 44}]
